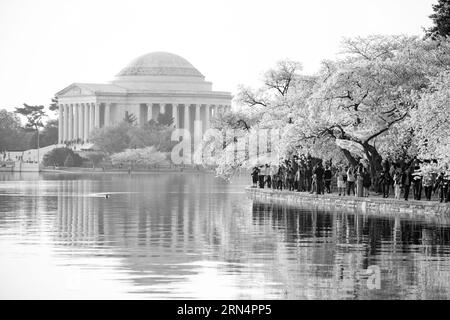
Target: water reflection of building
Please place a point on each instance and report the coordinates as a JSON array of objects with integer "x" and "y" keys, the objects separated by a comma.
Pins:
[{"x": 80, "y": 215}]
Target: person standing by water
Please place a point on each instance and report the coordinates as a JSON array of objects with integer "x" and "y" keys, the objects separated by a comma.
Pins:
[
  {"x": 298, "y": 179},
  {"x": 268, "y": 176},
  {"x": 319, "y": 178},
  {"x": 385, "y": 181},
  {"x": 290, "y": 178},
  {"x": 351, "y": 180},
  {"x": 255, "y": 174},
  {"x": 427, "y": 183},
  {"x": 340, "y": 181},
  {"x": 261, "y": 177},
  {"x": 313, "y": 181},
  {"x": 327, "y": 176},
  {"x": 442, "y": 183},
  {"x": 359, "y": 180},
  {"x": 273, "y": 174},
  {"x": 280, "y": 177},
  {"x": 308, "y": 175},
  {"x": 406, "y": 181},
  {"x": 397, "y": 183},
  {"x": 417, "y": 182},
  {"x": 367, "y": 182},
  {"x": 392, "y": 170}
]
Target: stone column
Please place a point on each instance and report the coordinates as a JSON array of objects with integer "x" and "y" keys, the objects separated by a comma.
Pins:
[
  {"x": 107, "y": 115},
  {"x": 70, "y": 136},
  {"x": 92, "y": 116},
  {"x": 207, "y": 116},
  {"x": 66, "y": 122},
  {"x": 197, "y": 111},
  {"x": 97, "y": 115},
  {"x": 60, "y": 124},
  {"x": 197, "y": 124},
  {"x": 76, "y": 115},
  {"x": 187, "y": 118},
  {"x": 175, "y": 115},
  {"x": 81, "y": 122},
  {"x": 86, "y": 122},
  {"x": 162, "y": 108}
]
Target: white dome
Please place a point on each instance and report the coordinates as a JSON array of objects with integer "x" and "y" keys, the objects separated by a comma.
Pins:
[{"x": 159, "y": 64}]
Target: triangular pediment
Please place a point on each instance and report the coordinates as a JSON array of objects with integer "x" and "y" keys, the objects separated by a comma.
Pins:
[
  {"x": 75, "y": 90},
  {"x": 90, "y": 89}
]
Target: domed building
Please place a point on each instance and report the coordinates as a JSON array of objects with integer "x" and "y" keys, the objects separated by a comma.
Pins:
[{"x": 157, "y": 82}]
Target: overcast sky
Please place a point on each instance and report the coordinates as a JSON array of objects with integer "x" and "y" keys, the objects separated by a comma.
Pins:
[{"x": 46, "y": 45}]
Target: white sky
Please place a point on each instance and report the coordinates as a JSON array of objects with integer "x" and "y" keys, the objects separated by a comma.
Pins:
[{"x": 46, "y": 45}]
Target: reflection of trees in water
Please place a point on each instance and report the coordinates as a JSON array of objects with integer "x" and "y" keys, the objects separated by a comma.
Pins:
[
  {"x": 413, "y": 256},
  {"x": 79, "y": 219},
  {"x": 26, "y": 206}
]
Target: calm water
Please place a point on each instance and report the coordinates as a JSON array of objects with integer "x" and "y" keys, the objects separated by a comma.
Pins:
[{"x": 186, "y": 235}]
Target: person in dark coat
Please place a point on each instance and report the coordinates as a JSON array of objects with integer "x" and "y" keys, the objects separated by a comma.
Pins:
[
  {"x": 261, "y": 178},
  {"x": 255, "y": 174},
  {"x": 308, "y": 175},
  {"x": 407, "y": 179},
  {"x": 417, "y": 183},
  {"x": 442, "y": 184},
  {"x": 367, "y": 182},
  {"x": 290, "y": 175},
  {"x": 319, "y": 172},
  {"x": 280, "y": 177},
  {"x": 385, "y": 181}
]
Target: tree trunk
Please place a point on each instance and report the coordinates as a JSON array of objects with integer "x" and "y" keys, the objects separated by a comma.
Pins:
[
  {"x": 375, "y": 160},
  {"x": 349, "y": 157}
]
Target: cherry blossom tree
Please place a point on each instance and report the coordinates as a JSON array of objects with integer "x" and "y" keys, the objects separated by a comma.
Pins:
[
  {"x": 358, "y": 106},
  {"x": 364, "y": 96},
  {"x": 432, "y": 122},
  {"x": 143, "y": 156}
]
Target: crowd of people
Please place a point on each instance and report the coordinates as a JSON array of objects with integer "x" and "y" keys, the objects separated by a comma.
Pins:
[{"x": 303, "y": 176}]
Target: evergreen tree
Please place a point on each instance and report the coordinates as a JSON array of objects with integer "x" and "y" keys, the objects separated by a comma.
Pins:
[
  {"x": 441, "y": 20},
  {"x": 34, "y": 115},
  {"x": 54, "y": 105}
]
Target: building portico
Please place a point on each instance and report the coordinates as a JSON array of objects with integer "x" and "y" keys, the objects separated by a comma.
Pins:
[{"x": 155, "y": 83}]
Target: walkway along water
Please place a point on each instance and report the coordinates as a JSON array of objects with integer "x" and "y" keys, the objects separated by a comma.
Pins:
[{"x": 438, "y": 212}]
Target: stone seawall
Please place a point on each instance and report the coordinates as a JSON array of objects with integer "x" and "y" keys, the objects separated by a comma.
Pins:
[{"x": 438, "y": 212}]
